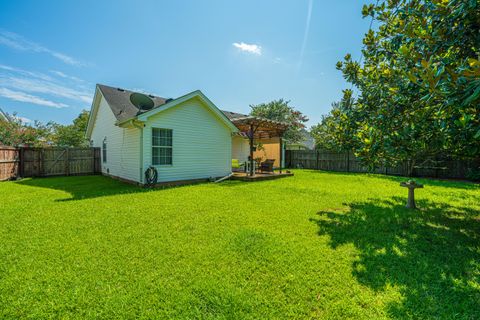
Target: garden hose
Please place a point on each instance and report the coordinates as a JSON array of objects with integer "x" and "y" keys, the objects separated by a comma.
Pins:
[{"x": 151, "y": 176}]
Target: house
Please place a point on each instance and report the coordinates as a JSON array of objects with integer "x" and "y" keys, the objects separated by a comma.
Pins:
[
  {"x": 307, "y": 143},
  {"x": 4, "y": 116},
  {"x": 185, "y": 139}
]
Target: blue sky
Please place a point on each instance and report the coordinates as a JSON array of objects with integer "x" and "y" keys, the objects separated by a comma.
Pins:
[{"x": 52, "y": 53}]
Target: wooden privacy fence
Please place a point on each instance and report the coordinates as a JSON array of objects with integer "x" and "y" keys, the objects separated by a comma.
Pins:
[
  {"x": 44, "y": 162},
  {"x": 9, "y": 162},
  {"x": 347, "y": 162}
]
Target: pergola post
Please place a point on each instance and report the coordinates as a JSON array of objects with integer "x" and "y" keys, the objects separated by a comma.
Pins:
[
  {"x": 281, "y": 151},
  {"x": 250, "y": 138}
]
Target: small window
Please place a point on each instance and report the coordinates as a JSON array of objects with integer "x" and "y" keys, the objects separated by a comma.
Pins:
[
  {"x": 104, "y": 150},
  {"x": 161, "y": 146}
]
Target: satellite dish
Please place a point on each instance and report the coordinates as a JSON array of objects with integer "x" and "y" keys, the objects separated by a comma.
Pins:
[{"x": 141, "y": 101}]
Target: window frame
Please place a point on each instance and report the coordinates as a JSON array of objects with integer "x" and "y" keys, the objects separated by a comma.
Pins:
[
  {"x": 104, "y": 150},
  {"x": 170, "y": 147}
]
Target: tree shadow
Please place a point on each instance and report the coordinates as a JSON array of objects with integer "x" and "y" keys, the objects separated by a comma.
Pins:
[
  {"x": 82, "y": 187},
  {"x": 431, "y": 255},
  {"x": 446, "y": 183},
  {"x": 94, "y": 186}
]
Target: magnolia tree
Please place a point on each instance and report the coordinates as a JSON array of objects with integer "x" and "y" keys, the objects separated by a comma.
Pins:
[
  {"x": 419, "y": 83},
  {"x": 337, "y": 129}
]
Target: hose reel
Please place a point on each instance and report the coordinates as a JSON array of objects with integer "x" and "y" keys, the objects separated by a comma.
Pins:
[{"x": 151, "y": 176}]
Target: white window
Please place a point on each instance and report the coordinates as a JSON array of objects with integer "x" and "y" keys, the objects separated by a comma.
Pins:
[
  {"x": 161, "y": 146},
  {"x": 104, "y": 150}
]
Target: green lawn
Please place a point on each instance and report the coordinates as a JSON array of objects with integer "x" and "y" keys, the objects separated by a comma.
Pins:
[{"x": 316, "y": 245}]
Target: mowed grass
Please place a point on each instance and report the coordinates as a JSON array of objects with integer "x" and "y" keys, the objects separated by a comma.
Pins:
[{"x": 316, "y": 245}]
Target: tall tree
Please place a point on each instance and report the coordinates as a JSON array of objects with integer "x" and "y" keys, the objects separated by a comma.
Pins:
[
  {"x": 72, "y": 135},
  {"x": 419, "y": 83},
  {"x": 280, "y": 110},
  {"x": 337, "y": 129}
]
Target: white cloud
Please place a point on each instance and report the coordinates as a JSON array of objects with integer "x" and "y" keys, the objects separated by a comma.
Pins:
[
  {"x": 66, "y": 76},
  {"x": 25, "y": 73},
  {"x": 26, "y": 81},
  {"x": 18, "y": 42},
  {"x": 250, "y": 48},
  {"x": 45, "y": 87},
  {"x": 25, "y": 97}
]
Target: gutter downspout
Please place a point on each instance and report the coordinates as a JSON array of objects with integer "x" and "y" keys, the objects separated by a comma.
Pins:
[
  {"x": 140, "y": 126},
  {"x": 224, "y": 178}
]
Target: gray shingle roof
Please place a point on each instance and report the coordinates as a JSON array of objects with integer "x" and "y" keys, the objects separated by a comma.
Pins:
[
  {"x": 119, "y": 101},
  {"x": 234, "y": 115}
]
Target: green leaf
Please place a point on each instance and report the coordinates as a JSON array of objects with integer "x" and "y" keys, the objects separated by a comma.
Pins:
[
  {"x": 440, "y": 71},
  {"x": 404, "y": 50},
  {"x": 473, "y": 97},
  {"x": 477, "y": 135}
]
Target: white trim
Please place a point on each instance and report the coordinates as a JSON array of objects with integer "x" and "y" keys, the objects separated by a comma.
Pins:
[
  {"x": 152, "y": 146},
  {"x": 93, "y": 113}
]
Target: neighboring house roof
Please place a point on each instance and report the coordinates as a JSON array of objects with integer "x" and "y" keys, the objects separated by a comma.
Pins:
[
  {"x": 240, "y": 118},
  {"x": 308, "y": 142},
  {"x": 234, "y": 115},
  {"x": 4, "y": 116}
]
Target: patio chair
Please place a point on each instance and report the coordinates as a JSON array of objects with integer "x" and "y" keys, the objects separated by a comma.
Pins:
[
  {"x": 267, "y": 165},
  {"x": 237, "y": 166}
]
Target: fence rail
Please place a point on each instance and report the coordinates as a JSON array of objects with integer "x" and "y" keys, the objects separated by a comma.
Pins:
[
  {"x": 347, "y": 162},
  {"x": 44, "y": 162}
]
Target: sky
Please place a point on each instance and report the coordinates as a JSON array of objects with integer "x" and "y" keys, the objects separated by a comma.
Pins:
[{"x": 238, "y": 53}]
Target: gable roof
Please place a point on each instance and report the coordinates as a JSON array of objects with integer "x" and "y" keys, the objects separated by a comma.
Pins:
[{"x": 124, "y": 110}]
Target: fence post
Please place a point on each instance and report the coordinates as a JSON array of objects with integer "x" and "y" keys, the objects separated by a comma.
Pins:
[
  {"x": 348, "y": 160},
  {"x": 41, "y": 157},
  {"x": 316, "y": 160},
  {"x": 67, "y": 161},
  {"x": 21, "y": 161}
]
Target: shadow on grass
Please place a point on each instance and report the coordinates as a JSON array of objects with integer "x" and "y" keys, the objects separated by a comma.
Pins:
[
  {"x": 431, "y": 255},
  {"x": 446, "y": 183},
  {"x": 85, "y": 187},
  {"x": 82, "y": 187}
]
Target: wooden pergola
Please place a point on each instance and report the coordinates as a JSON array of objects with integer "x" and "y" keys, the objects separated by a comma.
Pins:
[{"x": 260, "y": 128}]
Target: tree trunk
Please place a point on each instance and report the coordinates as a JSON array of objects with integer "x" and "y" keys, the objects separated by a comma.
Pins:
[{"x": 411, "y": 164}]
